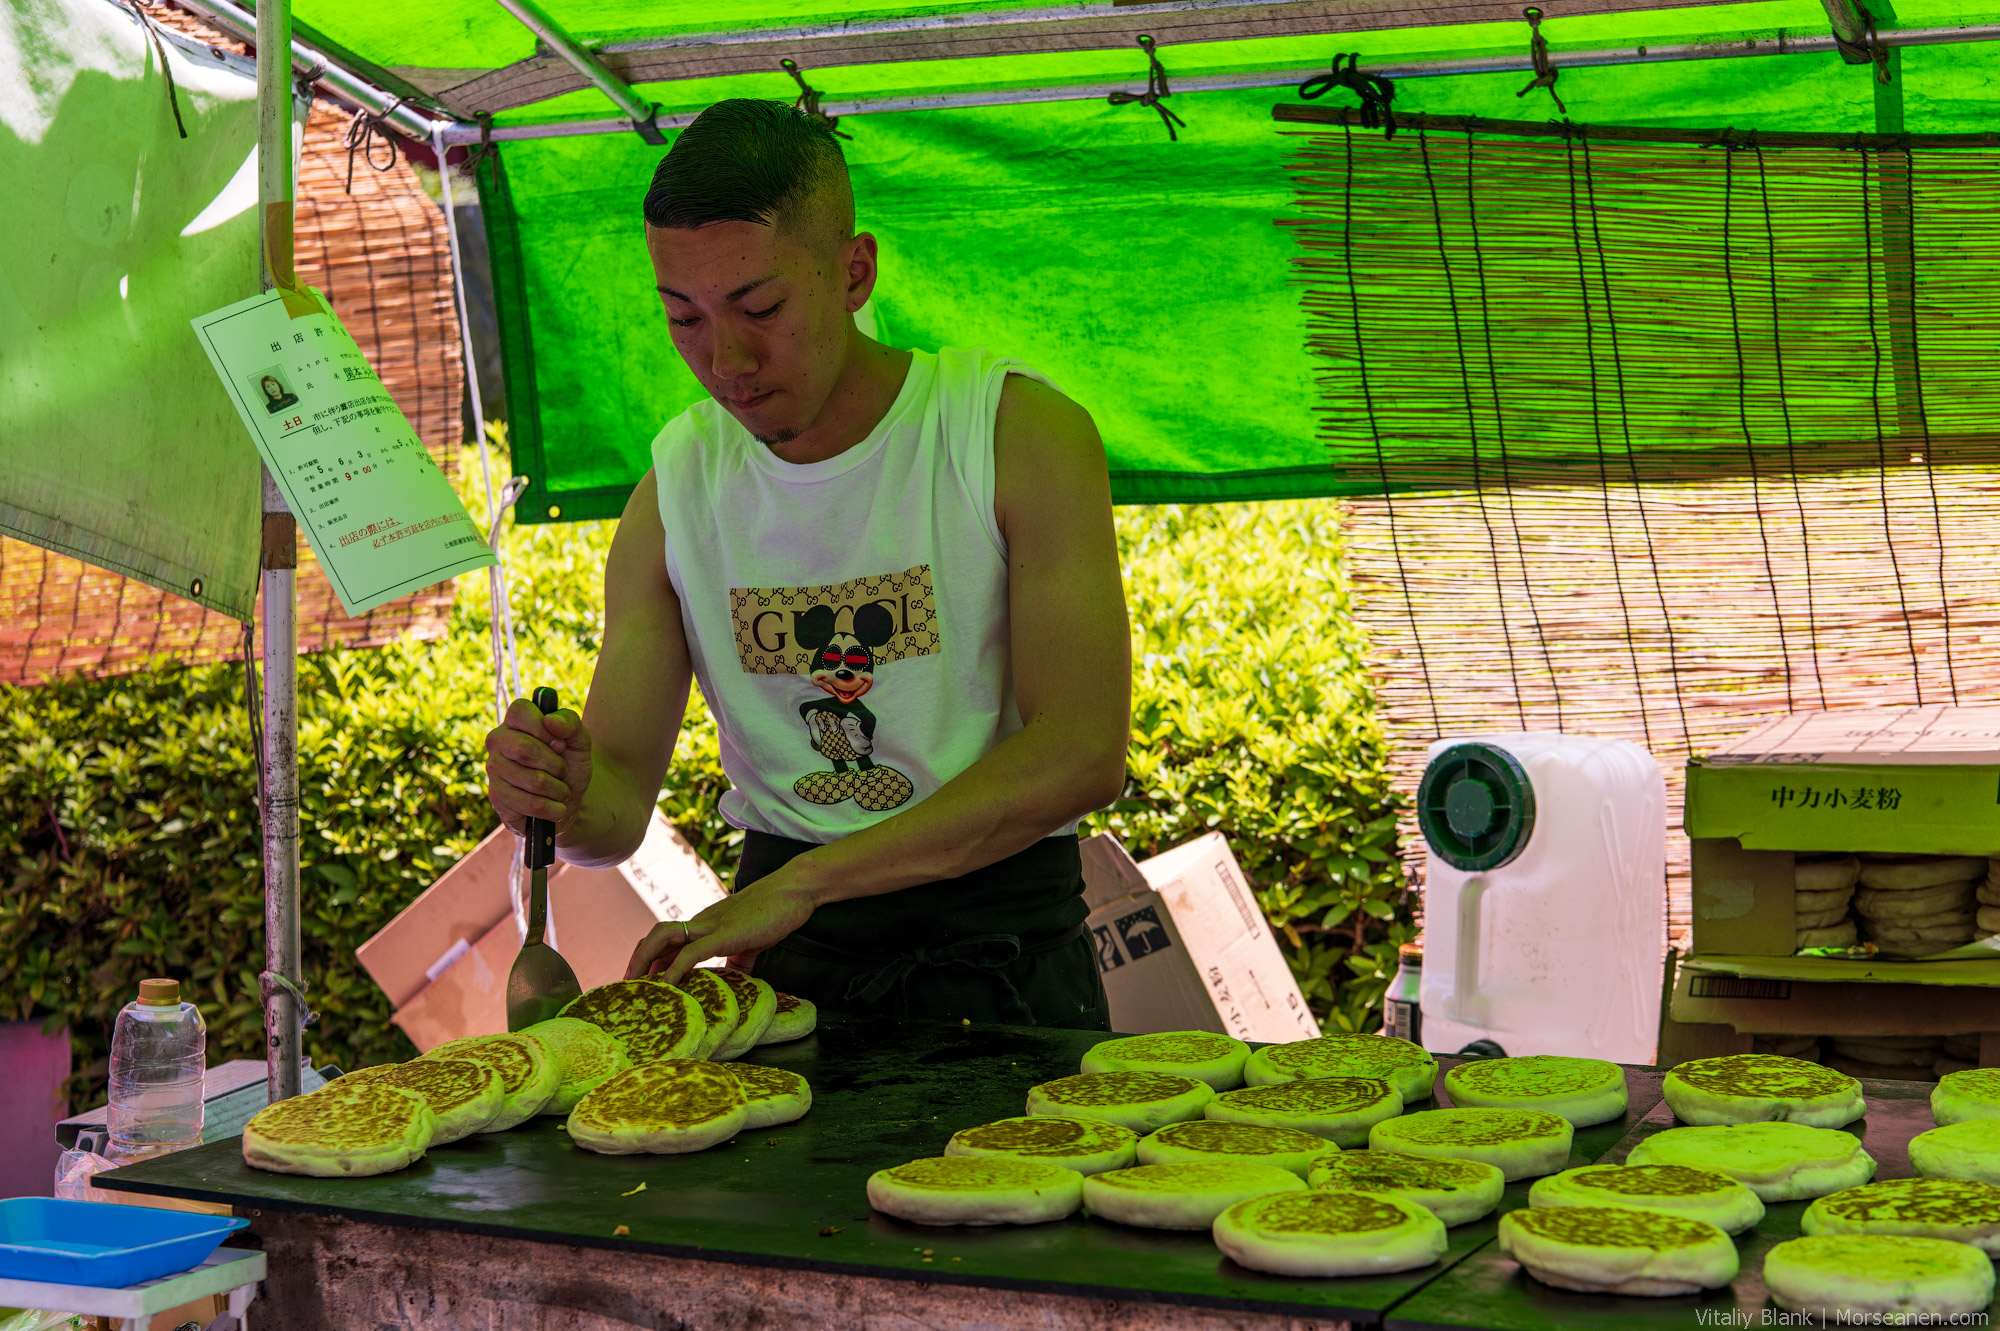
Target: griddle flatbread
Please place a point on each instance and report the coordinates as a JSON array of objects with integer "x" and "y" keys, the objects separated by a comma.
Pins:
[
  {"x": 792, "y": 1018},
  {"x": 756, "y": 1005},
  {"x": 718, "y": 1008},
  {"x": 1405, "y": 1065},
  {"x": 1323, "y": 1232},
  {"x": 1340, "y": 1109},
  {"x": 464, "y": 1095},
  {"x": 1752, "y": 1088},
  {"x": 770, "y": 1095},
  {"x": 1086, "y": 1145},
  {"x": 1455, "y": 1191},
  {"x": 1962, "y": 1210},
  {"x": 528, "y": 1076},
  {"x": 1203, "y": 1055},
  {"x": 976, "y": 1190},
  {"x": 1140, "y": 1101},
  {"x": 669, "y": 1107},
  {"x": 1585, "y": 1091},
  {"x": 1207, "y": 1139},
  {"x": 1701, "y": 1194},
  {"x": 652, "y": 1020},
  {"x": 1616, "y": 1250},
  {"x": 340, "y": 1131},
  {"x": 586, "y": 1057},
  {"x": 1522, "y": 1143},
  {"x": 1853, "y": 1277},
  {"x": 1182, "y": 1196}
]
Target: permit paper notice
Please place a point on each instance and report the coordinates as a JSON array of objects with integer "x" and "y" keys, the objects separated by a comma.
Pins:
[{"x": 382, "y": 518}]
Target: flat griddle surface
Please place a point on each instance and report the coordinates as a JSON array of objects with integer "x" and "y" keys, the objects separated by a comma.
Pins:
[
  {"x": 883, "y": 1093},
  {"x": 1489, "y": 1290}
]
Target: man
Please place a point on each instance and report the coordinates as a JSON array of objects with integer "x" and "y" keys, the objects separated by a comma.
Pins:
[{"x": 894, "y": 574}]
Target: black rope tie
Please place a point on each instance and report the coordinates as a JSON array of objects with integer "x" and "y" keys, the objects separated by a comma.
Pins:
[
  {"x": 1597, "y": 432},
  {"x": 152, "y": 31},
  {"x": 1881, "y": 440},
  {"x": 1870, "y": 50},
  {"x": 1730, "y": 149},
  {"x": 1374, "y": 91},
  {"x": 1625, "y": 433},
  {"x": 365, "y": 132},
  {"x": 1375, "y": 427},
  {"x": 1472, "y": 416},
  {"x": 484, "y": 154},
  {"x": 1538, "y": 51},
  {"x": 808, "y": 100},
  {"x": 1500, "y": 438},
  {"x": 1156, "y": 90},
  {"x": 1785, "y": 418}
]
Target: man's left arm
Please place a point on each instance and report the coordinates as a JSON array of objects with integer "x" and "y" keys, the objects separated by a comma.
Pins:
[{"x": 1072, "y": 671}]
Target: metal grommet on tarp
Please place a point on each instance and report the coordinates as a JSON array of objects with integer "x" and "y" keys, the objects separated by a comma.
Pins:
[{"x": 1476, "y": 806}]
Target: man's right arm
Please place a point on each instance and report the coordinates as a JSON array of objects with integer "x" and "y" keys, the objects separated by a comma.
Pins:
[{"x": 598, "y": 777}]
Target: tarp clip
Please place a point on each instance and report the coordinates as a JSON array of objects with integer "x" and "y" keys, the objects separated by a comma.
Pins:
[
  {"x": 1375, "y": 92},
  {"x": 1156, "y": 89},
  {"x": 1869, "y": 50},
  {"x": 808, "y": 99},
  {"x": 1538, "y": 51}
]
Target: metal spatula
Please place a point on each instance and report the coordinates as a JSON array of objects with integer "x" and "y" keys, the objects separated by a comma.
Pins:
[{"x": 541, "y": 982}]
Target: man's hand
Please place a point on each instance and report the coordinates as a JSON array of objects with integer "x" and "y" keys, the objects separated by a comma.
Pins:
[
  {"x": 743, "y": 922},
  {"x": 537, "y": 766}
]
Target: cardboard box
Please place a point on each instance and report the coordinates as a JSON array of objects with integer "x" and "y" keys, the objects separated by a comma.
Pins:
[
  {"x": 1183, "y": 945},
  {"x": 1900, "y": 781},
  {"x": 444, "y": 960}
]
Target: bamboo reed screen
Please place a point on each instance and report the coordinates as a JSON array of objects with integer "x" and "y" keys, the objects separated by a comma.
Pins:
[
  {"x": 1658, "y": 440},
  {"x": 382, "y": 256}
]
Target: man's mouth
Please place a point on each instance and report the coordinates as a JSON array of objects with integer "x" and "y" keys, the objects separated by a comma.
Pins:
[{"x": 745, "y": 403}]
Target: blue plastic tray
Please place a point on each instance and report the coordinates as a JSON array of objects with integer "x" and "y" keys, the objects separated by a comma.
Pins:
[{"x": 103, "y": 1245}]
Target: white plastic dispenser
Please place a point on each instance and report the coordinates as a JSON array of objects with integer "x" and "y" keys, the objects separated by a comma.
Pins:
[{"x": 1544, "y": 895}]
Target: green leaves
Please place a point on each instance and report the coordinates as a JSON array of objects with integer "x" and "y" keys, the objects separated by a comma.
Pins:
[{"x": 1253, "y": 715}]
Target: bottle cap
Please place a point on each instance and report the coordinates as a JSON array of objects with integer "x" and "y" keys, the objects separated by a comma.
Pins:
[
  {"x": 1411, "y": 952},
  {"x": 160, "y": 993}
]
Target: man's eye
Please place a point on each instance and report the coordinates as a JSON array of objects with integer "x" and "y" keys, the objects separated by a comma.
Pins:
[
  {"x": 688, "y": 322},
  {"x": 764, "y": 314}
]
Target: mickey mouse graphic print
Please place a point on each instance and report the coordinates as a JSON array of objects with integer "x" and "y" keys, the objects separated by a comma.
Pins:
[
  {"x": 848, "y": 619},
  {"x": 840, "y": 636}
]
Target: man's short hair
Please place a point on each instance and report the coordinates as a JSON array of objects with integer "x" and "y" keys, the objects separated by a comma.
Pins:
[{"x": 748, "y": 160}]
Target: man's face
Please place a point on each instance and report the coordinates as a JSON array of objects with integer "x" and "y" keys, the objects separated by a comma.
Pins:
[{"x": 760, "y": 320}]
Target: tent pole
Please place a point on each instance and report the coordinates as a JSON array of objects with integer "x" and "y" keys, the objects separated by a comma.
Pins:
[
  {"x": 537, "y": 21},
  {"x": 1783, "y": 43},
  {"x": 282, "y": 1017},
  {"x": 224, "y": 16}
]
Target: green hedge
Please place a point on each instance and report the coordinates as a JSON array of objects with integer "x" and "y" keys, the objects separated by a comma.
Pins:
[{"x": 128, "y": 840}]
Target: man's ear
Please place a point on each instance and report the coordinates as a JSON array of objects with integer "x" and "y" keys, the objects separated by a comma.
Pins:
[
  {"x": 858, "y": 269},
  {"x": 813, "y": 629}
]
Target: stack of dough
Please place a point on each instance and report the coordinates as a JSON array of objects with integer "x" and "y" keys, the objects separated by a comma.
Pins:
[
  {"x": 1823, "y": 890},
  {"x": 1987, "y": 897},
  {"x": 1803, "y": 1047},
  {"x": 1918, "y": 905},
  {"x": 1966, "y": 1094},
  {"x": 1960, "y": 1054},
  {"x": 1886, "y": 1057}
]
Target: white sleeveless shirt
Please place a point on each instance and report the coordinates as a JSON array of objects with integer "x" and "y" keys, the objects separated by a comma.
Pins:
[{"x": 847, "y": 618}]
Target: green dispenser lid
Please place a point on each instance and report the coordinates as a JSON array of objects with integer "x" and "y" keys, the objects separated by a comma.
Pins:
[{"x": 1476, "y": 806}]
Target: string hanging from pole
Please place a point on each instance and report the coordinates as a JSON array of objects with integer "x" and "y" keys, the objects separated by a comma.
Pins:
[
  {"x": 1156, "y": 91},
  {"x": 365, "y": 132},
  {"x": 1500, "y": 427},
  {"x": 808, "y": 100},
  {"x": 1374, "y": 429},
  {"x": 1743, "y": 410},
  {"x": 499, "y": 607},
  {"x": 152, "y": 31},
  {"x": 1625, "y": 432},
  {"x": 1785, "y": 417},
  {"x": 1374, "y": 91},
  {"x": 1546, "y": 73},
  {"x": 1472, "y": 427},
  {"x": 1881, "y": 440},
  {"x": 1923, "y": 418},
  {"x": 1597, "y": 438}
]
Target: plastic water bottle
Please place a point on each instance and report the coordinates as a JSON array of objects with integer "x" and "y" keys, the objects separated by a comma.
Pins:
[{"x": 159, "y": 1051}]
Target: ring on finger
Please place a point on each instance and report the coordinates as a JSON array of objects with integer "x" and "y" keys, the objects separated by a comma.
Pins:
[{"x": 687, "y": 934}]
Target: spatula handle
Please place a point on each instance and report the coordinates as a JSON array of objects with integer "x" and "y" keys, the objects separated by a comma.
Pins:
[{"x": 538, "y": 848}]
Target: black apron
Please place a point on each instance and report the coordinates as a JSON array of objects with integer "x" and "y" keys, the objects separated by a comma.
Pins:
[{"x": 1005, "y": 943}]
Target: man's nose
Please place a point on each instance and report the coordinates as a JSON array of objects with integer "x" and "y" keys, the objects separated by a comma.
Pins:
[{"x": 731, "y": 357}]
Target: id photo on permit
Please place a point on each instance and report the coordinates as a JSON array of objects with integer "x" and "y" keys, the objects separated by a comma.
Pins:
[{"x": 380, "y": 516}]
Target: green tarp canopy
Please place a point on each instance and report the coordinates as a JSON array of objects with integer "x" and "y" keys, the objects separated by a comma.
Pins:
[{"x": 1146, "y": 276}]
